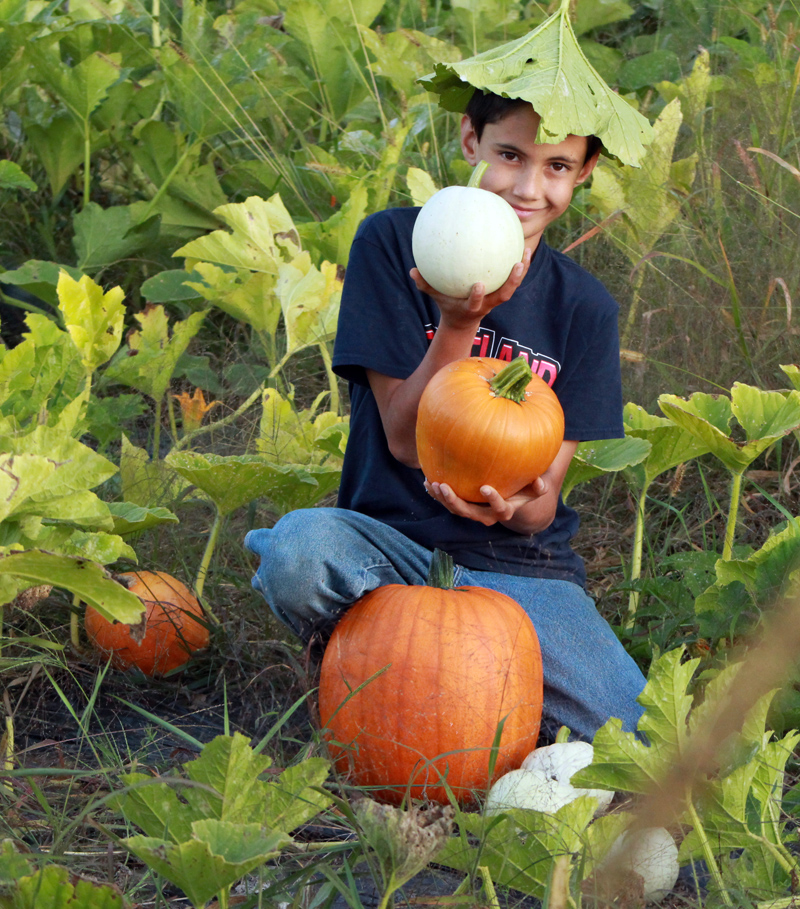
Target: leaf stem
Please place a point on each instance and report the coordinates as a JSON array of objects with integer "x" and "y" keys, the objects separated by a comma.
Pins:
[
  {"x": 87, "y": 162},
  {"x": 202, "y": 571},
  {"x": 74, "y": 627},
  {"x": 157, "y": 432},
  {"x": 636, "y": 557},
  {"x": 711, "y": 861},
  {"x": 733, "y": 510},
  {"x": 333, "y": 382}
]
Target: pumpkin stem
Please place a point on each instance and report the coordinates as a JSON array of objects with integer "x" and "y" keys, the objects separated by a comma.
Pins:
[
  {"x": 477, "y": 174},
  {"x": 512, "y": 380},
  {"x": 441, "y": 574}
]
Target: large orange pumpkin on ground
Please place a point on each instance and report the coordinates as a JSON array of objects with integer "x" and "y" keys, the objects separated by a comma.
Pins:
[
  {"x": 483, "y": 421},
  {"x": 174, "y": 626},
  {"x": 445, "y": 668}
]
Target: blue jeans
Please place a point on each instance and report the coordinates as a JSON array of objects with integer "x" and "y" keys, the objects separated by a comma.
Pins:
[{"x": 317, "y": 562}]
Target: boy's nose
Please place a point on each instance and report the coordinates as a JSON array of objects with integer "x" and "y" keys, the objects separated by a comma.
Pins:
[{"x": 529, "y": 184}]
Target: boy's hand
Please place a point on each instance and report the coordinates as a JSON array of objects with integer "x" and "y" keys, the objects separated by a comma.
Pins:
[
  {"x": 496, "y": 509},
  {"x": 528, "y": 511},
  {"x": 457, "y": 312}
]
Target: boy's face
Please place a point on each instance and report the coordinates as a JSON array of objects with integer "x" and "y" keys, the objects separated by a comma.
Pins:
[{"x": 537, "y": 180}]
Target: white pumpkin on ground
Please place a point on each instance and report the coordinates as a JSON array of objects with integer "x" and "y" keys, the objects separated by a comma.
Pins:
[
  {"x": 563, "y": 759},
  {"x": 650, "y": 852}
]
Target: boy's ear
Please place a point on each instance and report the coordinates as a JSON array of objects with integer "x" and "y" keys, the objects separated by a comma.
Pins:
[
  {"x": 588, "y": 167},
  {"x": 469, "y": 140}
]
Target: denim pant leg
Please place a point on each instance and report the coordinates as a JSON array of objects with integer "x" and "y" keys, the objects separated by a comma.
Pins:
[
  {"x": 588, "y": 675},
  {"x": 316, "y": 562}
]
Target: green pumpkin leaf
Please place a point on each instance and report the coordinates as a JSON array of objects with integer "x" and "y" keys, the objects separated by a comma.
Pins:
[
  {"x": 103, "y": 236},
  {"x": 88, "y": 580},
  {"x": 792, "y": 372},
  {"x": 548, "y": 68},
  {"x": 233, "y": 481},
  {"x": 767, "y": 416},
  {"x": 670, "y": 445},
  {"x": 647, "y": 197},
  {"x": 145, "y": 481},
  {"x": 93, "y": 319},
  {"x": 130, "y": 518},
  {"x": 262, "y": 231},
  {"x": 420, "y": 185},
  {"x": 59, "y": 145},
  {"x": 647, "y": 69},
  {"x": 40, "y": 278},
  {"x": 217, "y": 855},
  {"x": 12, "y": 176},
  {"x": 152, "y": 353},
  {"x": 57, "y": 888},
  {"x": 170, "y": 287},
  {"x": 592, "y": 459},
  {"x": 247, "y": 297},
  {"x": 520, "y": 847},
  {"x": 309, "y": 299},
  {"x": 623, "y": 762}
]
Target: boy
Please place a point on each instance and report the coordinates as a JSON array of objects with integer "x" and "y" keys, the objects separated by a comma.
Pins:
[{"x": 394, "y": 333}]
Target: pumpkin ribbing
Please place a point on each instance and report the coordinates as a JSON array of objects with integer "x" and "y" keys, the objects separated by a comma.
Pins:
[{"x": 448, "y": 666}]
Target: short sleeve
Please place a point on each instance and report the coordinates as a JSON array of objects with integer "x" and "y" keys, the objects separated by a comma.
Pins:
[{"x": 383, "y": 318}]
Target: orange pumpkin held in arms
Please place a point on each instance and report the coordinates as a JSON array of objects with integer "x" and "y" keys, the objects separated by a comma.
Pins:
[
  {"x": 174, "y": 626},
  {"x": 445, "y": 671},
  {"x": 483, "y": 421}
]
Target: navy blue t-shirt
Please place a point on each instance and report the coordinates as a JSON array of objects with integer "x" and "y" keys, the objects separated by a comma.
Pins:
[{"x": 561, "y": 319}]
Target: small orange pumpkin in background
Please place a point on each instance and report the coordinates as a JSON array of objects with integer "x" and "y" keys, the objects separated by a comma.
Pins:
[
  {"x": 483, "y": 421},
  {"x": 453, "y": 665},
  {"x": 173, "y": 626}
]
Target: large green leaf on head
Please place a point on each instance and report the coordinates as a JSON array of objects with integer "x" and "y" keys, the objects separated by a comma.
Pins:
[{"x": 548, "y": 68}]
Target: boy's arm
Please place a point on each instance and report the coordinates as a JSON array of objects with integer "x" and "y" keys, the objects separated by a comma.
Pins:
[
  {"x": 530, "y": 511},
  {"x": 459, "y": 320}
]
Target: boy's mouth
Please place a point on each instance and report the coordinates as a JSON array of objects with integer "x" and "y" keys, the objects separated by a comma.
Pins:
[{"x": 525, "y": 212}]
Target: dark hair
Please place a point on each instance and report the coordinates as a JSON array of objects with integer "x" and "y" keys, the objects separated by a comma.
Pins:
[{"x": 486, "y": 107}]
